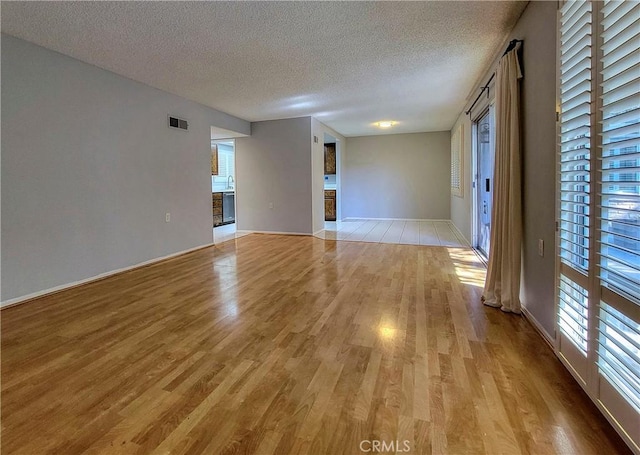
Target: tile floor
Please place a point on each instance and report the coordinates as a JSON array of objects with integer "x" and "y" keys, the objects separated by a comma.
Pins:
[
  {"x": 226, "y": 232},
  {"x": 426, "y": 232}
]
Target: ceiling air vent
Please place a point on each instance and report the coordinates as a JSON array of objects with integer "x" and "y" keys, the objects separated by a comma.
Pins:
[{"x": 175, "y": 122}]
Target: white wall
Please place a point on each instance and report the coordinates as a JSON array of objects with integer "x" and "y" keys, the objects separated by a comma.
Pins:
[
  {"x": 273, "y": 166},
  {"x": 537, "y": 27},
  {"x": 397, "y": 176},
  {"x": 89, "y": 169}
]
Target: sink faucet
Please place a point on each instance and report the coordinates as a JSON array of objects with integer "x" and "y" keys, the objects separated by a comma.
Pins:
[{"x": 230, "y": 181}]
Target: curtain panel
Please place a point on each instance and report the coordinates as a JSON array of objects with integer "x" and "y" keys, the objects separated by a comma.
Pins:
[{"x": 502, "y": 285}]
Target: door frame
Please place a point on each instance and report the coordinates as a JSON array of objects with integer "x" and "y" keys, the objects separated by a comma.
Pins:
[
  {"x": 475, "y": 171},
  {"x": 235, "y": 183}
]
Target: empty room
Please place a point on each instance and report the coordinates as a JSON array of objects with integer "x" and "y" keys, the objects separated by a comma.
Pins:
[{"x": 320, "y": 227}]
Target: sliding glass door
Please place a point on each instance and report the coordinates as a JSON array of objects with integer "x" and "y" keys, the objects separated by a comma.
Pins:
[{"x": 485, "y": 153}]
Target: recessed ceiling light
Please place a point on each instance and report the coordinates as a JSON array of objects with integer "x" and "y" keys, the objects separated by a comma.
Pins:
[{"x": 386, "y": 124}]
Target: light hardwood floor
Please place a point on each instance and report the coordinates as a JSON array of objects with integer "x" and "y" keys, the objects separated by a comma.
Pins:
[{"x": 288, "y": 344}]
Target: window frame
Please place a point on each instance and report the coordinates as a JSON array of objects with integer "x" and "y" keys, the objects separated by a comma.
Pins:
[{"x": 587, "y": 369}]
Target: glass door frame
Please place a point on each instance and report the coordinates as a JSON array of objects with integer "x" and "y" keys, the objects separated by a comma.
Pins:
[{"x": 476, "y": 184}]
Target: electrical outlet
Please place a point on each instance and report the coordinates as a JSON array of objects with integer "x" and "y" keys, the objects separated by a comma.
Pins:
[
  {"x": 167, "y": 217},
  {"x": 270, "y": 205},
  {"x": 541, "y": 247}
]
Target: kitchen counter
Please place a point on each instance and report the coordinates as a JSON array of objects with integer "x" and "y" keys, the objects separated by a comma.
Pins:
[{"x": 222, "y": 189}]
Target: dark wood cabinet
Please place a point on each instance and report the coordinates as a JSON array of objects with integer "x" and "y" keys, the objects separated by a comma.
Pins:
[
  {"x": 214, "y": 159},
  {"x": 217, "y": 209},
  {"x": 223, "y": 207},
  {"x": 330, "y": 205},
  {"x": 329, "y": 159}
]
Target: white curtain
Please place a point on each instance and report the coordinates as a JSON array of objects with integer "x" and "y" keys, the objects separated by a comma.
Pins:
[{"x": 502, "y": 286}]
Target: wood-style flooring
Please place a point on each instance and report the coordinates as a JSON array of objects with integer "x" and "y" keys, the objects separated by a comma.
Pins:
[{"x": 288, "y": 344}]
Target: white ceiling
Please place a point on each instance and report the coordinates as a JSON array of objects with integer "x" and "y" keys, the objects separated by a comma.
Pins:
[{"x": 349, "y": 64}]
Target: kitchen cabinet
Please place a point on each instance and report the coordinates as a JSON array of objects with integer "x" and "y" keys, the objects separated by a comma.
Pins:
[
  {"x": 214, "y": 159},
  {"x": 217, "y": 209},
  {"x": 223, "y": 208},
  {"x": 330, "y": 205},
  {"x": 329, "y": 159}
]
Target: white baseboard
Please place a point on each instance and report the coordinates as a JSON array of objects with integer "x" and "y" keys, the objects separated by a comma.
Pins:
[
  {"x": 62, "y": 287},
  {"x": 315, "y": 234},
  {"x": 534, "y": 322},
  {"x": 279, "y": 233},
  {"x": 351, "y": 218},
  {"x": 457, "y": 231}
]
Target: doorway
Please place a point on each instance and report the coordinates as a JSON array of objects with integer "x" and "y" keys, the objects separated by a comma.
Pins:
[
  {"x": 485, "y": 154},
  {"x": 223, "y": 187},
  {"x": 332, "y": 212}
]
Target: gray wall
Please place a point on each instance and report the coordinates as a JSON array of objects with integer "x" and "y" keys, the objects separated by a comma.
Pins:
[
  {"x": 537, "y": 27},
  {"x": 89, "y": 169},
  {"x": 273, "y": 166},
  {"x": 461, "y": 206},
  {"x": 397, "y": 176},
  {"x": 317, "y": 172}
]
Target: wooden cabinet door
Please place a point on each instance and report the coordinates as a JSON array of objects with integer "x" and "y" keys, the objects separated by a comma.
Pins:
[
  {"x": 329, "y": 159},
  {"x": 214, "y": 159},
  {"x": 329, "y": 209},
  {"x": 330, "y": 205},
  {"x": 217, "y": 208}
]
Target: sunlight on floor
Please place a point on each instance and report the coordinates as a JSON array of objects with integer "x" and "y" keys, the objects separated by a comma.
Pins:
[
  {"x": 468, "y": 266},
  {"x": 387, "y": 333}
]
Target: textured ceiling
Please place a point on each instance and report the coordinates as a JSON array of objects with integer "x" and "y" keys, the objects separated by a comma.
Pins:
[{"x": 349, "y": 64}]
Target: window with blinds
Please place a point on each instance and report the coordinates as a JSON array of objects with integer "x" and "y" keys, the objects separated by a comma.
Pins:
[
  {"x": 619, "y": 352},
  {"x": 598, "y": 298},
  {"x": 573, "y": 312},
  {"x": 226, "y": 163},
  {"x": 457, "y": 170},
  {"x": 574, "y": 189},
  {"x": 620, "y": 188},
  {"x": 619, "y": 321},
  {"x": 575, "y": 134}
]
